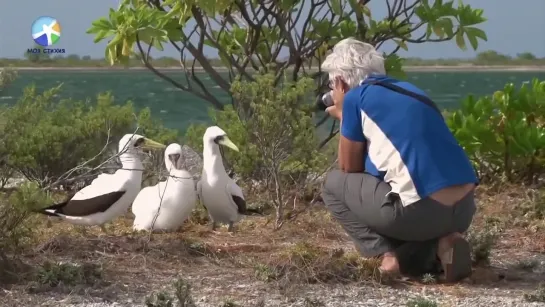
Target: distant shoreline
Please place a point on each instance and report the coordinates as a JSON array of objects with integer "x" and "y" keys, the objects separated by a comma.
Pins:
[{"x": 459, "y": 68}]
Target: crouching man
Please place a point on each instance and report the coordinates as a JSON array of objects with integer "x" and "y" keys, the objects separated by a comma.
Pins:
[{"x": 403, "y": 178}]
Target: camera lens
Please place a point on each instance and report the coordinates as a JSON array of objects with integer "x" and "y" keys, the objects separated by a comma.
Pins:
[
  {"x": 327, "y": 99},
  {"x": 324, "y": 100}
]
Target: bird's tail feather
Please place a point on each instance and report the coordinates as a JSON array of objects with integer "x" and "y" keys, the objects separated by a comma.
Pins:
[
  {"x": 45, "y": 212},
  {"x": 50, "y": 211}
]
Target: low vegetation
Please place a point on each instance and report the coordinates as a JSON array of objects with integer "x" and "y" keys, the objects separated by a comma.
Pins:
[
  {"x": 504, "y": 134},
  {"x": 46, "y": 138},
  {"x": 421, "y": 302},
  {"x": 7, "y": 76},
  {"x": 536, "y": 296},
  {"x": 274, "y": 127}
]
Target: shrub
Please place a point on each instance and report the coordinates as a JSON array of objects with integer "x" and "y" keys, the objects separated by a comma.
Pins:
[
  {"x": 273, "y": 127},
  {"x": 504, "y": 134},
  {"x": 182, "y": 292},
  {"x": 15, "y": 228},
  {"x": 46, "y": 137},
  {"x": 14, "y": 210},
  {"x": 536, "y": 296},
  {"x": 482, "y": 241},
  {"x": 68, "y": 274},
  {"x": 421, "y": 302},
  {"x": 7, "y": 76}
]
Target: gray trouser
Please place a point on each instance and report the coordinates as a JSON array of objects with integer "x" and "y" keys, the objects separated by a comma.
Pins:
[{"x": 378, "y": 223}]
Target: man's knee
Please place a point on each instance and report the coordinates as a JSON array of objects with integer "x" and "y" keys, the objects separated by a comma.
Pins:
[
  {"x": 330, "y": 188},
  {"x": 332, "y": 181}
]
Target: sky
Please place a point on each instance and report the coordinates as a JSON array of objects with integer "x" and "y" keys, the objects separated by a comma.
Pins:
[{"x": 512, "y": 27}]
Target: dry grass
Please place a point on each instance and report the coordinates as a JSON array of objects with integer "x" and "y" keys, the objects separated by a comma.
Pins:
[{"x": 310, "y": 248}]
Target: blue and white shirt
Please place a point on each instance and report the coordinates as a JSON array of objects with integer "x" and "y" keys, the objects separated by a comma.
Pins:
[{"x": 409, "y": 144}]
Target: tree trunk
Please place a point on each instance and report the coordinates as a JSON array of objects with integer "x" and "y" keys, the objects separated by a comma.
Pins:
[{"x": 279, "y": 206}]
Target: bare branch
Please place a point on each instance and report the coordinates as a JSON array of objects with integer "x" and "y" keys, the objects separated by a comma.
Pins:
[
  {"x": 88, "y": 171},
  {"x": 144, "y": 60}
]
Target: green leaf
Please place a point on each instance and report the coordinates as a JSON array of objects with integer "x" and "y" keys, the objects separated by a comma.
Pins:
[
  {"x": 438, "y": 30},
  {"x": 116, "y": 40},
  {"x": 157, "y": 44},
  {"x": 460, "y": 41},
  {"x": 429, "y": 31},
  {"x": 101, "y": 35},
  {"x": 147, "y": 34},
  {"x": 472, "y": 34},
  {"x": 472, "y": 40},
  {"x": 366, "y": 11},
  {"x": 336, "y": 7},
  {"x": 394, "y": 66},
  {"x": 476, "y": 32},
  {"x": 347, "y": 28},
  {"x": 321, "y": 27},
  {"x": 448, "y": 26},
  {"x": 286, "y": 5},
  {"x": 208, "y": 6},
  {"x": 401, "y": 44},
  {"x": 109, "y": 54},
  {"x": 421, "y": 12},
  {"x": 354, "y": 5}
]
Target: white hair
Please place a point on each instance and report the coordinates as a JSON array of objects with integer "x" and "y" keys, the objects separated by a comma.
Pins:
[{"x": 353, "y": 61}]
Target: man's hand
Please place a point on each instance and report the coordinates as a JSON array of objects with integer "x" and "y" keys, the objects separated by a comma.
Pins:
[
  {"x": 335, "y": 112},
  {"x": 338, "y": 88}
]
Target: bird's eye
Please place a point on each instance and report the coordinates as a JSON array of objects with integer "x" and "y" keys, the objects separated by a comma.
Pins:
[
  {"x": 218, "y": 138},
  {"x": 139, "y": 142}
]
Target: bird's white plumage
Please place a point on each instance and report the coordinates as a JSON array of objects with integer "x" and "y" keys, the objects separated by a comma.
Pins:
[
  {"x": 128, "y": 179},
  {"x": 216, "y": 188},
  {"x": 103, "y": 183},
  {"x": 169, "y": 202}
]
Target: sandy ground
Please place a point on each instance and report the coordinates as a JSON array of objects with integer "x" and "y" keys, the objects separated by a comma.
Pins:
[{"x": 223, "y": 268}]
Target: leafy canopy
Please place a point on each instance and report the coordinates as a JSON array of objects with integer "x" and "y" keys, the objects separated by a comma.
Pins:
[{"x": 255, "y": 35}]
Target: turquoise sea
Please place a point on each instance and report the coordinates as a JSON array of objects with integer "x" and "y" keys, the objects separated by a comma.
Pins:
[{"x": 178, "y": 109}]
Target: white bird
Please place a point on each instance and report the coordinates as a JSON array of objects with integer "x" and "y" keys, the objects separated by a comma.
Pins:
[
  {"x": 169, "y": 202},
  {"x": 221, "y": 196},
  {"x": 109, "y": 195}
]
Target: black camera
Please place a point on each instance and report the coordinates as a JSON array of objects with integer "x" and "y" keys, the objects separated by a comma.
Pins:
[{"x": 324, "y": 100}]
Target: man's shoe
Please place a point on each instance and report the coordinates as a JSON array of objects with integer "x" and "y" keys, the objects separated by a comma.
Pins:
[{"x": 455, "y": 255}]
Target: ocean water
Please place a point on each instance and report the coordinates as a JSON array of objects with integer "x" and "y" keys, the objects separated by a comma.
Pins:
[{"x": 178, "y": 109}]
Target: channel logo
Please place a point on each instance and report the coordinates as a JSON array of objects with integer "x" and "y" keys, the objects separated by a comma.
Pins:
[{"x": 46, "y": 32}]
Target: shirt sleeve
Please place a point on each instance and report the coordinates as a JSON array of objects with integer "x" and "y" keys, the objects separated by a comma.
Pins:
[{"x": 351, "y": 127}]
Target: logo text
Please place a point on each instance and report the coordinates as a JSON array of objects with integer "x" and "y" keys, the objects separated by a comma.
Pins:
[{"x": 45, "y": 50}]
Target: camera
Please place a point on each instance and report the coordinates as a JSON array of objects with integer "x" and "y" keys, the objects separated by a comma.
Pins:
[{"x": 324, "y": 100}]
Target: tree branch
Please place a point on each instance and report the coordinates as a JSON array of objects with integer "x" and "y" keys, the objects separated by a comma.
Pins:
[{"x": 145, "y": 56}]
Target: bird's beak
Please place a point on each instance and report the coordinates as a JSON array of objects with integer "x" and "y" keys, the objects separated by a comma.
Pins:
[
  {"x": 225, "y": 141},
  {"x": 175, "y": 158},
  {"x": 151, "y": 144}
]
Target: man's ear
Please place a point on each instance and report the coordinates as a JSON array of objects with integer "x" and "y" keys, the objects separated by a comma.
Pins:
[
  {"x": 339, "y": 83},
  {"x": 344, "y": 86}
]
